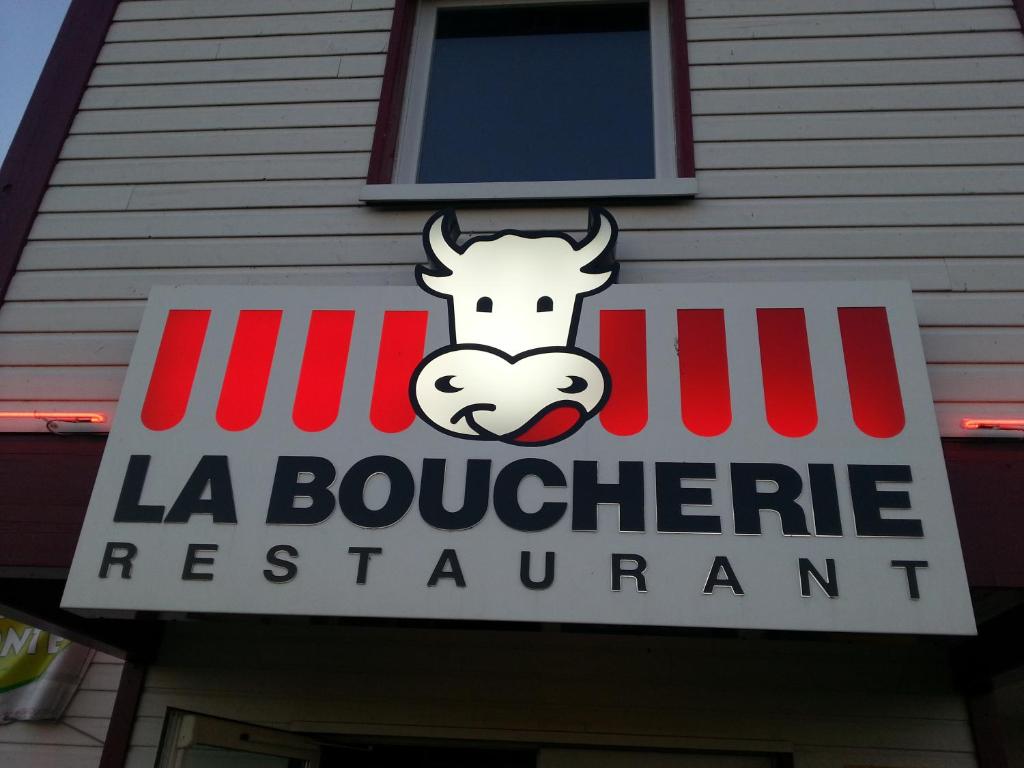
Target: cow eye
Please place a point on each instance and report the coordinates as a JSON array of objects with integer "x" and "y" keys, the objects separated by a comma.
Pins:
[
  {"x": 545, "y": 304},
  {"x": 444, "y": 384},
  {"x": 484, "y": 304},
  {"x": 576, "y": 385}
]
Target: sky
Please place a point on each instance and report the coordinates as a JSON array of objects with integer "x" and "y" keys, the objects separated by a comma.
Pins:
[{"x": 27, "y": 31}]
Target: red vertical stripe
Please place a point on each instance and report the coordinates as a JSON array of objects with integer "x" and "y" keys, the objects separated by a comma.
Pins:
[
  {"x": 624, "y": 352},
  {"x": 174, "y": 371},
  {"x": 786, "y": 372},
  {"x": 248, "y": 371},
  {"x": 871, "y": 371},
  {"x": 704, "y": 371},
  {"x": 322, "y": 377},
  {"x": 402, "y": 339}
]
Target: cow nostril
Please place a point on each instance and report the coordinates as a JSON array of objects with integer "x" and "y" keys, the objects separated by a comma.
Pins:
[
  {"x": 444, "y": 384},
  {"x": 576, "y": 385}
]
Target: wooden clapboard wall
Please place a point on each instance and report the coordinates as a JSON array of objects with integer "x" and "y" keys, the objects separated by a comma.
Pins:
[
  {"x": 880, "y": 702},
  {"x": 76, "y": 740},
  {"x": 227, "y": 140}
]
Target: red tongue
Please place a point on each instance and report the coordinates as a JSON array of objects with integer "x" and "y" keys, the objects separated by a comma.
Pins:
[{"x": 551, "y": 425}]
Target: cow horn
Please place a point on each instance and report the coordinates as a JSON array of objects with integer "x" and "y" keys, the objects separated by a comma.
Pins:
[
  {"x": 597, "y": 247},
  {"x": 439, "y": 238}
]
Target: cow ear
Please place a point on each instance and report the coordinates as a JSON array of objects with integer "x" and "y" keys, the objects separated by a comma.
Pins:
[
  {"x": 432, "y": 283},
  {"x": 440, "y": 237},
  {"x": 594, "y": 282},
  {"x": 596, "y": 251}
]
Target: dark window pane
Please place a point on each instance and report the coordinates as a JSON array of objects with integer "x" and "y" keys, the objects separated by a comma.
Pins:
[{"x": 539, "y": 94}]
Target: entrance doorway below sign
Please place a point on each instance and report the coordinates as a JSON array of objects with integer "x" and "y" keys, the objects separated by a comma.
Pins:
[{"x": 197, "y": 741}]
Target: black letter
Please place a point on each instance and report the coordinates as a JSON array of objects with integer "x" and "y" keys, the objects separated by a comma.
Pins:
[
  {"x": 211, "y": 471},
  {"x": 636, "y": 571},
  {"x": 188, "y": 573},
  {"x": 447, "y": 568},
  {"x": 129, "y": 510},
  {"x": 911, "y": 566},
  {"x": 287, "y": 488},
  {"x": 506, "y": 495},
  {"x": 726, "y": 579},
  {"x": 748, "y": 502},
  {"x": 274, "y": 558},
  {"x": 400, "y": 493},
  {"x": 364, "y": 560},
  {"x": 671, "y": 495},
  {"x": 628, "y": 494},
  {"x": 474, "y": 505},
  {"x": 824, "y": 500},
  {"x": 868, "y": 501},
  {"x": 123, "y": 559},
  {"x": 549, "y": 571},
  {"x": 829, "y": 585}
]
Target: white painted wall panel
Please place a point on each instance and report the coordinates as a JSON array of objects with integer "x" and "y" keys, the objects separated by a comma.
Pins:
[{"x": 226, "y": 141}]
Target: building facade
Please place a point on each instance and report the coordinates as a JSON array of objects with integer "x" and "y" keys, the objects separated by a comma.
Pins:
[{"x": 259, "y": 143}]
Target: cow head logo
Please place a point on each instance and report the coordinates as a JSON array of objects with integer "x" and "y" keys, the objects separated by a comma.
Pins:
[{"x": 512, "y": 371}]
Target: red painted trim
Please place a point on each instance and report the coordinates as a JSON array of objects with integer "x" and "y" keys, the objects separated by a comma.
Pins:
[
  {"x": 685, "y": 164},
  {"x": 389, "y": 110},
  {"x": 40, "y": 516},
  {"x": 986, "y": 478},
  {"x": 37, "y": 144}
]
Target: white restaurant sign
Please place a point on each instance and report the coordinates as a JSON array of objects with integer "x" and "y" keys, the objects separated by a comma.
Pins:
[{"x": 520, "y": 439}]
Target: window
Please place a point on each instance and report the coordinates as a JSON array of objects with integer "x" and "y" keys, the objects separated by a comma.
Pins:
[
  {"x": 197, "y": 741},
  {"x": 498, "y": 99}
]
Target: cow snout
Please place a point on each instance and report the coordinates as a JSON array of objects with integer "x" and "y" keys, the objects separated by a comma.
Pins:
[{"x": 532, "y": 399}]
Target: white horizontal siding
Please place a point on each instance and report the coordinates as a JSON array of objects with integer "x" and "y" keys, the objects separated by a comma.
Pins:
[
  {"x": 251, "y": 26},
  {"x": 76, "y": 740},
  {"x": 237, "y": 71},
  {"x": 164, "y": 175},
  {"x": 356, "y": 219},
  {"x": 163, "y": 172},
  {"x": 749, "y": 186},
  {"x": 331, "y": 90},
  {"x": 271, "y": 46},
  {"x": 920, "y": 71},
  {"x": 226, "y": 141},
  {"x": 223, "y": 142}
]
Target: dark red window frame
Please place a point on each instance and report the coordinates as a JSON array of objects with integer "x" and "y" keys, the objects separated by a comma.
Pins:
[{"x": 396, "y": 67}]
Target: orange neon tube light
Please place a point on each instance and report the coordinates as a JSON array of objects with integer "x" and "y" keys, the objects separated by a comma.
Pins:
[
  {"x": 1014, "y": 424},
  {"x": 78, "y": 417}
]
